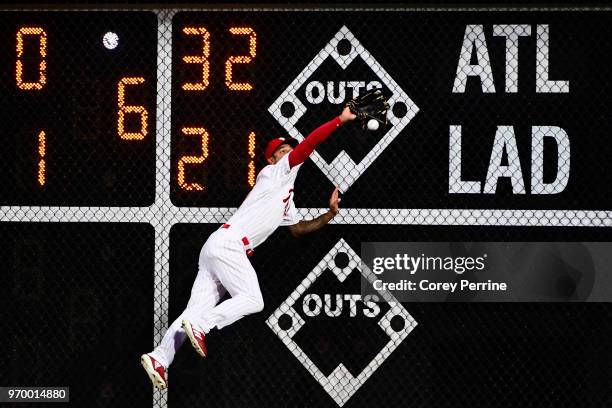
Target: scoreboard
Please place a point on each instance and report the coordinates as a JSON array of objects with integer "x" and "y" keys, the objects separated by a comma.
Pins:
[
  {"x": 509, "y": 113},
  {"x": 128, "y": 136},
  {"x": 78, "y": 116}
]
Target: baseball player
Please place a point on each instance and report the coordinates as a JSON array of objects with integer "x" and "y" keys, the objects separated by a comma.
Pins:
[{"x": 223, "y": 263}]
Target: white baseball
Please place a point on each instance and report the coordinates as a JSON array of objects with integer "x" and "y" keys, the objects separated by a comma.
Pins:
[
  {"x": 110, "y": 40},
  {"x": 373, "y": 124}
]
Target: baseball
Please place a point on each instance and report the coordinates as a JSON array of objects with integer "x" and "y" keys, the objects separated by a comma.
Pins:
[
  {"x": 110, "y": 40},
  {"x": 372, "y": 124}
]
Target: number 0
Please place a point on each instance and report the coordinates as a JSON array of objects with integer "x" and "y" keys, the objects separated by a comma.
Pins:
[{"x": 42, "y": 65}]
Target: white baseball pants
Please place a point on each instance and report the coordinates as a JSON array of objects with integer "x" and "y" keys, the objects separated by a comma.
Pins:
[{"x": 223, "y": 266}]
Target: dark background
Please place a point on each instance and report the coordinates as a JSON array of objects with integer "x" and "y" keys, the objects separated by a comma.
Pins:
[
  {"x": 86, "y": 161},
  {"x": 420, "y": 51},
  {"x": 76, "y": 301},
  {"x": 432, "y": 3},
  {"x": 459, "y": 355}
]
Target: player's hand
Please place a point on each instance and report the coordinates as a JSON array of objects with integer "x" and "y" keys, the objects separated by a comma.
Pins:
[
  {"x": 371, "y": 105},
  {"x": 334, "y": 200},
  {"x": 347, "y": 115}
]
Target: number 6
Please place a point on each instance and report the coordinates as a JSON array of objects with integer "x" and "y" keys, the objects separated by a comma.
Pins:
[{"x": 123, "y": 109}]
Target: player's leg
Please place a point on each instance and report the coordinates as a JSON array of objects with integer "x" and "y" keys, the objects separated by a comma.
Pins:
[
  {"x": 205, "y": 294},
  {"x": 228, "y": 261}
]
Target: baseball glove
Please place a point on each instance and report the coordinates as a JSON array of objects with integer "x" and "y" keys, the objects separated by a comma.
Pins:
[{"x": 369, "y": 105}]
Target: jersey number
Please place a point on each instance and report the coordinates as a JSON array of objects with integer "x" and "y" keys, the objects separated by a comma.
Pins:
[{"x": 286, "y": 201}]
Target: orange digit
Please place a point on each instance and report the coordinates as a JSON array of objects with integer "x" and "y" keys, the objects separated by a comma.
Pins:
[
  {"x": 241, "y": 59},
  {"x": 185, "y": 160},
  {"x": 124, "y": 109},
  {"x": 199, "y": 59},
  {"x": 42, "y": 65},
  {"x": 251, "y": 173},
  {"x": 42, "y": 150}
]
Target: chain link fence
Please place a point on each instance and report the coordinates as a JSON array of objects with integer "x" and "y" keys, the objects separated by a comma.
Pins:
[{"x": 497, "y": 132}]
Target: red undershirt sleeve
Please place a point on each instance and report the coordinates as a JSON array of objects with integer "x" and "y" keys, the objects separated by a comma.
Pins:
[{"x": 307, "y": 146}]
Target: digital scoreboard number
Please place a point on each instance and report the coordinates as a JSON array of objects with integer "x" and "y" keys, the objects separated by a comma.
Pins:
[
  {"x": 503, "y": 110},
  {"x": 78, "y": 108},
  {"x": 216, "y": 122},
  {"x": 489, "y": 110}
]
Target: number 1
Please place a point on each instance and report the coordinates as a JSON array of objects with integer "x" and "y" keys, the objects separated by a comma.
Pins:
[
  {"x": 42, "y": 150},
  {"x": 251, "y": 172}
]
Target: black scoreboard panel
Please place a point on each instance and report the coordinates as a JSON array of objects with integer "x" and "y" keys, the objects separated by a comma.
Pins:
[
  {"x": 78, "y": 125},
  {"x": 459, "y": 354},
  {"x": 79, "y": 101},
  {"x": 78, "y": 108},
  {"x": 228, "y": 68},
  {"x": 77, "y": 309}
]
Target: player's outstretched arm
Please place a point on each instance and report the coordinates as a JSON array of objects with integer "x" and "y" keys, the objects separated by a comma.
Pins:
[
  {"x": 307, "y": 146},
  {"x": 306, "y": 227}
]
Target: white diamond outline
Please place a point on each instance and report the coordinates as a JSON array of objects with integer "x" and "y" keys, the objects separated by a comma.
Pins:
[
  {"x": 341, "y": 385},
  {"x": 343, "y": 171}
]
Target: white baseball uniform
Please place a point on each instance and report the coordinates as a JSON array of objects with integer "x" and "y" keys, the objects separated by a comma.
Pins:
[{"x": 224, "y": 265}]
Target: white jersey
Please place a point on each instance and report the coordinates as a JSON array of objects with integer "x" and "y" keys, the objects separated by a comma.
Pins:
[
  {"x": 269, "y": 204},
  {"x": 223, "y": 265}
]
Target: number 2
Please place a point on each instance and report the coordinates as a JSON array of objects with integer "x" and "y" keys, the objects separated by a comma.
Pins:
[
  {"x": 185, "y": 160},
  {"x": 240, "y": 59}
]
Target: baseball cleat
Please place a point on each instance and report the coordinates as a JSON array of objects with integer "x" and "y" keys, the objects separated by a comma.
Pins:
[
  {"x": 196, "y": 336},
  {"x": 155, "y": 371}
]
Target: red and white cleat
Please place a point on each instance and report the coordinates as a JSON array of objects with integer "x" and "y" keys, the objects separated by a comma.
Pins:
[
  {"x": 196, "y": 336},
  {"x": 155, "y": 371}
]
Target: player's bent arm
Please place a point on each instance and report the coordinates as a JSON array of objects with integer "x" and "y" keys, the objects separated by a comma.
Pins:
[
  {"x": 318, "y": 136},
  {"x": 306, "y": 227}
]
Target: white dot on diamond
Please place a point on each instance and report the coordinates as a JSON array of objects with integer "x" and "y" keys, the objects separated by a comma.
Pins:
[{"x": 110, "y": 40}]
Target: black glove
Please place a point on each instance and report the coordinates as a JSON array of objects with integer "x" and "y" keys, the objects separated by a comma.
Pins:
[{"x": 370, "y": 105}]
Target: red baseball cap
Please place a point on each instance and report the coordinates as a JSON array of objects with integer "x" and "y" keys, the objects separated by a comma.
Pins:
[{"x": 274, "y": 144}]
